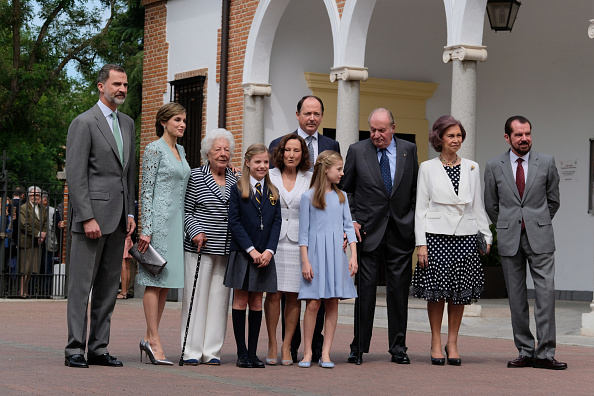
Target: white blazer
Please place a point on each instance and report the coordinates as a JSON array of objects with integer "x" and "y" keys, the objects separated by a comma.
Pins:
[
  {"x": 440, "y": 211},
  {"x": 290, "y": 202}
]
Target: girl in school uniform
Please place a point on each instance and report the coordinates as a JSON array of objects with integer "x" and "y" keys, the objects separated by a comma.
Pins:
[
  {"x": 324, "y": 217},
  {"x": 255, "y": 222}
]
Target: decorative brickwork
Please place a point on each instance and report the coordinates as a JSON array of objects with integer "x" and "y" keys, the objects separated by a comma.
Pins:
[
  {"x": 241, "y": 17},
  {"x": 340, "y": 4}
]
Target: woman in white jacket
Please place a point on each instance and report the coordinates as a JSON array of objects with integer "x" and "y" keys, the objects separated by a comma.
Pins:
[
  {"x": 449, "y": 215},
  {"x": 292, "y": 178}
]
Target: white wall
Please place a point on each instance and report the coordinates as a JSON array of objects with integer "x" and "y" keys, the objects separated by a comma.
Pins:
[
  {"x": 543, "y": 70},
  {"x": 192, "y": 36},
  {"x": 303, "y": 43}
]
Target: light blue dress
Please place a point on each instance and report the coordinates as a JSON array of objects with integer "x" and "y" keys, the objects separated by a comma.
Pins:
[
  {"x": 164, "y": 181},
  {"x": 322, "y": 232}
]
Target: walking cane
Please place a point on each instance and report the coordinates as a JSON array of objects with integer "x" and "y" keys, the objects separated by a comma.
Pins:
[
  {"x": 358, "y": 302},
  {"x": 181, "y": 359}
]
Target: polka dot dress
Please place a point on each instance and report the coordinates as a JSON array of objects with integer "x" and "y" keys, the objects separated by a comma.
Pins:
[{"x": 454, "y": 272}]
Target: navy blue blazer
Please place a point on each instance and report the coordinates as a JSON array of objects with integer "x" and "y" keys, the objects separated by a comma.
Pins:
[
  {"x": 244, "y": 222},
  {"x": 324, "y": 143}
]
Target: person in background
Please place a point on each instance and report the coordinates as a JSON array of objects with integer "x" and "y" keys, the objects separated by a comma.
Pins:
[{"x": 32, "y": 234}]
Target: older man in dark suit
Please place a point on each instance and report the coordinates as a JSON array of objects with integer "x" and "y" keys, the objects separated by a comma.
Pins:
[
  {"x": 380, "y": 175},
  {"x": 100, "y": 164},
  {"x": 521, "y": 198}
]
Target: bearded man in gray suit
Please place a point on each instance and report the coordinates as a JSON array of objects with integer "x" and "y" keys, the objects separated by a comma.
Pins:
[
  {"x": 100, "y": 171},
  {"x": 521, "y": 198}
]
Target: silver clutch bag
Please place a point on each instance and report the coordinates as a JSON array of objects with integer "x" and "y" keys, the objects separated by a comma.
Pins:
[{"x": 151, "y": 260}]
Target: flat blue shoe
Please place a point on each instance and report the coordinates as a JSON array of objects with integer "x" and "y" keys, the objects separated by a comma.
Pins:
[
  {"x": 214, "y": 362},
  {"x": 325, "y": 364},
  {"x": 304, "y": 364},
  {"x": 192, "y": 362}
]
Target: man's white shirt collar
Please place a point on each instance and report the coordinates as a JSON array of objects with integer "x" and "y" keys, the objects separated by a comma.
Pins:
[{"x": 304, "y": 135}]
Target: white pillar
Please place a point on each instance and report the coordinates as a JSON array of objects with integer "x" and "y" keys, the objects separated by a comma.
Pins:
[
  {"x": 463, "y": 107},
  {"x": 253, "y": 113},
  {"x": 588, "y": 318},
  {"x": 347, "y": 103}
]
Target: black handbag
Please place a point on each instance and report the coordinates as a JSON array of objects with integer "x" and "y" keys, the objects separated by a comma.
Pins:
[
  {"x": 481, "y": 243},
  {"x": 151, "y": 260}
]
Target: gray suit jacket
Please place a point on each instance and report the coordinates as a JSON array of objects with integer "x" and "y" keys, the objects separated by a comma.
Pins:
[
  {"x": 99, "y": 186},
  {"x": 537, "y": 207},
  {"x": 370, "y": 203}
]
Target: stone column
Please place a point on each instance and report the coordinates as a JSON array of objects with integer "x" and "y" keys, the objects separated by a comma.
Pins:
[
  {"x": 463, "y": 108},
  {"x": 347, "y": 103},
  {"x": 253, "y": 113},
  {"x": 588, "y": 318}
]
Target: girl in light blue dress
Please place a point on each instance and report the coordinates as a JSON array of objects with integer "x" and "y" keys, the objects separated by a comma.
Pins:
[{"x": 324, "y": 218}]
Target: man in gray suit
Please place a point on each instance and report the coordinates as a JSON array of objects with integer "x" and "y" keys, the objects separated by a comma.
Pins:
[
  {"x": 521, "y": 198},
  {"x": 100, "y": 162},
  {"x": 380, "y": 175}
]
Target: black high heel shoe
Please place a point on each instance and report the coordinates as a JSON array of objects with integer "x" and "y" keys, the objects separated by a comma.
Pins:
[
  {"x": 437, "y": 361},
  {"x": 148, "y": 351},
  {"x": 452, "y": 361}
]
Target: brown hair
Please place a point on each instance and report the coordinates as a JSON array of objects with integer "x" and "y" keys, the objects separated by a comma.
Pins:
[
  {"x": 243, "y": 184},
  {"x": 325, "y": 160},
  {"x": 520, "y": 119},
  {"x": 278, "y": 155},
  {"x": 165, "y": 113},
  {"x": 439, "y": 127}
]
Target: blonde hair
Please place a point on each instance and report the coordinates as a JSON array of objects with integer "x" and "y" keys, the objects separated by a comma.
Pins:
[
  {"x": 325, "y": 160},
  {"x": 243, "y": 184}
]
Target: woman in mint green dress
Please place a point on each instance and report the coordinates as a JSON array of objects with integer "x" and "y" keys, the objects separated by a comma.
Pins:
[{"x": 165, "y": 173}]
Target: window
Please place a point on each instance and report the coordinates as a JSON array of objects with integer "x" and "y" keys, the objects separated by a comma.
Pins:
[{"x": 189, "y": 92}]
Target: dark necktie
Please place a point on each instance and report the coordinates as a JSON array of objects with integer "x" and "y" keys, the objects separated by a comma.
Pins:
[
  {"x": 520, "y": 181},
  {"x": 385, "y": 169},
  {"x": 311, "y": 152},
  {"x": 259, "y": 193}
]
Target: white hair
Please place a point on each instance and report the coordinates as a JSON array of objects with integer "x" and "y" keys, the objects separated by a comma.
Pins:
[
  {"x": 211, "y": 137},
  {"x": 33, "y": 189}
]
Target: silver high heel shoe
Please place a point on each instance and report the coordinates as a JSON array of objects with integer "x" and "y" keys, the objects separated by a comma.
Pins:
[{"x": 148, "y": 351}]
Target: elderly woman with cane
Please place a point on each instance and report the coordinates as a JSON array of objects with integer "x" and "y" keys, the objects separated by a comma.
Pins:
[{"x": 207, "y": 200}]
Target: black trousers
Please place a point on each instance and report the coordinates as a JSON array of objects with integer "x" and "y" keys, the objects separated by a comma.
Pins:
[{"x": 395, "y": 252}]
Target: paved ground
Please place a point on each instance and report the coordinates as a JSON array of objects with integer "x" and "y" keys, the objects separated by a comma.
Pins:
[{"x": 33, "y": 335}]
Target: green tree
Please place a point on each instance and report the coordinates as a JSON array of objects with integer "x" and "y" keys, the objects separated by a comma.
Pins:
[{"x": 37, "y": 99}]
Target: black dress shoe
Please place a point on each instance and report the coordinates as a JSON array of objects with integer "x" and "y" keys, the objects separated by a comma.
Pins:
[
  {"x": 401, "y": 358},
  {"x": 521, "y": 361},
  {"x": 549, "y": 363},
  {"x": 437, "y": 361},
  {"x": 452, "y": 361},
  {"x": 76, "y": 361},
  {"x": 256, "y": 362},
  {"x": 244, "y": 361},
  {"x": 104, "y": 360},
  {"x": 294, "y": 355},
  {"x": 353, "y": 357}
]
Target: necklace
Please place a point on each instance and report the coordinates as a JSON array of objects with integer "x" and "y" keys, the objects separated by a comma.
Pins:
[{"x": 448, "y": 163}]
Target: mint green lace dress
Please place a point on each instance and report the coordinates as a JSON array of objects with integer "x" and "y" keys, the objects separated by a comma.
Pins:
[{"x": 164, "y": 181}]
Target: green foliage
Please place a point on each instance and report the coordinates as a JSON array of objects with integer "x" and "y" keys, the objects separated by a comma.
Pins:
[{"x": 37, "y": 99}]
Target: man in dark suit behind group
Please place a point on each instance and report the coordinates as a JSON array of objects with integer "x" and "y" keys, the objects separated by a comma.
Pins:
[
  {"x": 100, "y": 171},
  {"x": 310, "y": 111},
  {"x": 521, "y": 198},
  {"x": 380, "y": 175}
]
